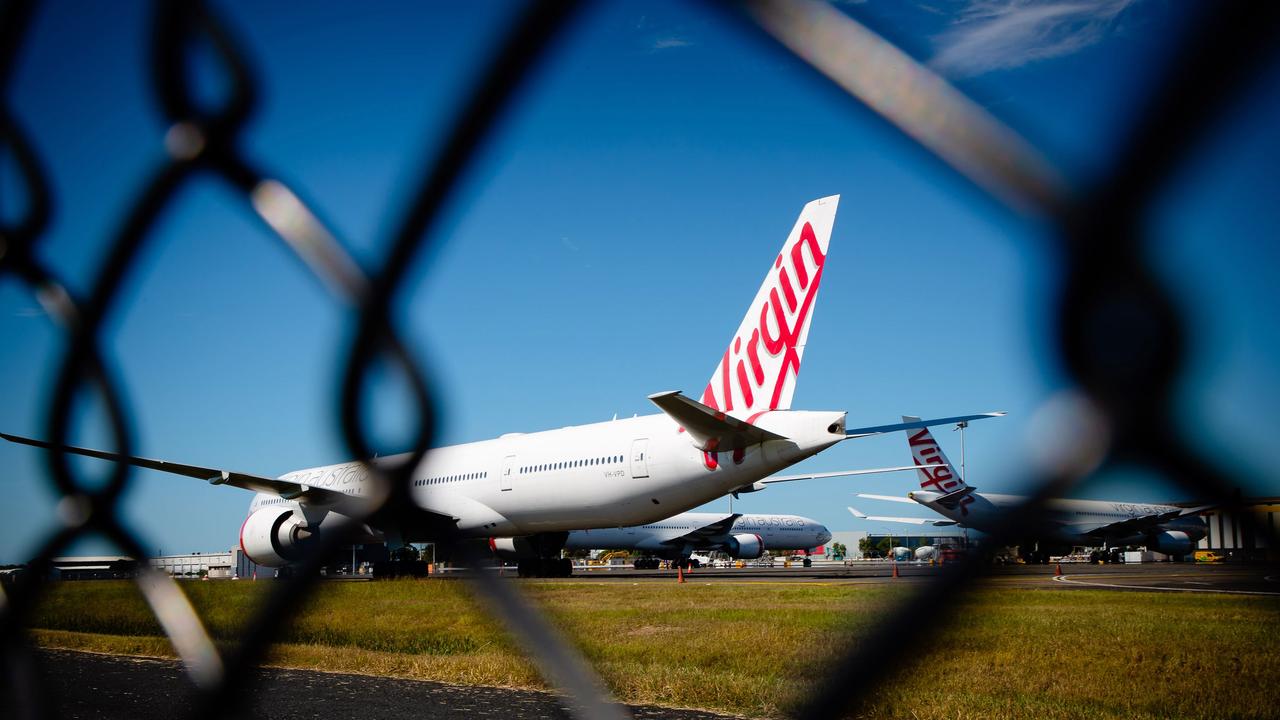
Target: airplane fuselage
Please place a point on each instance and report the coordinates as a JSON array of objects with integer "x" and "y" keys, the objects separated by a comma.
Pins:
[
  {"x": 611, "y": 474},
  {"x": 1065, "y": 520}
]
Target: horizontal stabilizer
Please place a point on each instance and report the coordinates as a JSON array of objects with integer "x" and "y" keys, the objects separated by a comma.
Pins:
[
  {"x": 889, "y": 498},
  {"x": 214, "y": 476},
  {"x": 882, "y": 429},
  {"x": 906, "y": 520},
  {"x": 952, "y": 499},
  {"x": 710, "y": 429},
  {"x": 710, "y": 531}
]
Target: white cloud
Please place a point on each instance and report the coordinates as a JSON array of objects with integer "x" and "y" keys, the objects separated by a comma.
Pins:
[
  {"x": 1001, "y": 34},
  {"x": 669, "y": 42}
]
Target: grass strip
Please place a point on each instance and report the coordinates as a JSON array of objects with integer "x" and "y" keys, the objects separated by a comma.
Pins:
[{"x": 755, "y": 649}]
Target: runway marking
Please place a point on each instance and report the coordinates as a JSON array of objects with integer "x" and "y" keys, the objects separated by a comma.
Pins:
[{"x": 1067, "y": 580}]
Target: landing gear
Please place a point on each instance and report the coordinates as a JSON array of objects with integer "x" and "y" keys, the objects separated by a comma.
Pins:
[
  {"x": 545, "y": 567},
  {"x": 1036, "y": 557}
]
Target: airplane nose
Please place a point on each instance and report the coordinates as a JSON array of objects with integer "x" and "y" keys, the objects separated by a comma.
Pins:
[{"x": 823, "y": 536}]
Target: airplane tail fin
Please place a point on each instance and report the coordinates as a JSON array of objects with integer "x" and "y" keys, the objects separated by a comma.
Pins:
[
  {"x": 759, "y": 368},
  {"x": 926, "y": 451}
]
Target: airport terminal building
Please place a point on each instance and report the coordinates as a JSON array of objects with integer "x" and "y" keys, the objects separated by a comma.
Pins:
[
  {"x": 1235, "y": 533},
  {"x": 228, "y": 564}
]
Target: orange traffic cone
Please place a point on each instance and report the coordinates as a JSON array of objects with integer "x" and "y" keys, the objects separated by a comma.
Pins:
[
  {"x": 680, "y": 573},
  {"x": 895, "y": 569},
  {"x": 1057, "y": 572}
]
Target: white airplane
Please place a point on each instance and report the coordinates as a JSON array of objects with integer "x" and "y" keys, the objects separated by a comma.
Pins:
[
  {"x": 543, "y": 485},
  {"x": 1167, "y": 529},
  {"x": 744, "y": 537}
]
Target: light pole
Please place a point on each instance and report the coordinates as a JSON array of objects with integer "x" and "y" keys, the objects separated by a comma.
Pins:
[{"x": 961, "y": 426}]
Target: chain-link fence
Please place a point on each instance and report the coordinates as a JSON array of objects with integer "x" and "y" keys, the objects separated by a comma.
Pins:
[{"x": 1119, "y": 334}]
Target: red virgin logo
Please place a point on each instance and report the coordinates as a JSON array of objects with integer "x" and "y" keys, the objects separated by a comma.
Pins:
[
  {"x": 924, "y": 451},
  {"x": 763, "y": 359}
]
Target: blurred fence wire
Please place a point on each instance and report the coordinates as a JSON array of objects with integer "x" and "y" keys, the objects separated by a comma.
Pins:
[{"x": 1119, "y": 333}]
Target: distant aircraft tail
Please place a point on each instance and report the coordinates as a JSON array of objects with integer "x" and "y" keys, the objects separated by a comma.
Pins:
[
  {"x": 926, "y": 451},
  {"x": 759, "y": 369}
]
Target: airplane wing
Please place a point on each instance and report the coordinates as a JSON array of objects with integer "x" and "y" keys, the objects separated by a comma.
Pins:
[
  {"x": 881, "y": 429},
  {"x": 712, "y": 430},
  {"x": 909, "y": 520},
  {"x": 840, "y": 473},
  {"x": 889, "y": 498},
  {"x": 719, "y": 528},
  {"x": 766, "y": 482},
  {"x": 256, "y": 483},
  {"x": 1128, "y": 526}
]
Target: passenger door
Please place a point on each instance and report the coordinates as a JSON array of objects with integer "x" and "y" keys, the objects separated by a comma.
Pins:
[
  {"x": 639, "y": 459},
  {"x": 508, "y": 469}
]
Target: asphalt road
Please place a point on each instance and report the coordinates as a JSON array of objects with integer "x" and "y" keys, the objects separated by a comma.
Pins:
[{"x": 90, "y": 685}]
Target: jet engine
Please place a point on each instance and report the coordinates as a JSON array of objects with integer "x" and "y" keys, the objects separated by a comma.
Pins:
[
  {"x": 273, "y": 536},
  {"x": 925, "y": 553},
  {"x": 512, "y": 548},
  {"x": 1171, "y": 542},
  {"x": 744, "y": 547}
]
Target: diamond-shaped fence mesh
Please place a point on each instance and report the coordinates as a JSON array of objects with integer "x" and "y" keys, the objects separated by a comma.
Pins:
[{"x": 1119, "y": 334}]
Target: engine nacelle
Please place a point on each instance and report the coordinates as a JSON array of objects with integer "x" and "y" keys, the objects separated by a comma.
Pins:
[
  {"x": 1171, "y": 542},
  {"x": 510, "y": 548},
  {"x": 744, "y": 547},
  {"x": 273, "y": 536}
]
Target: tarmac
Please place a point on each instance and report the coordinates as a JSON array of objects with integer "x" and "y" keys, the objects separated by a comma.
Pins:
[
  {"x": 1253, "y": 579},
  {"x": 92, "y": 685}
]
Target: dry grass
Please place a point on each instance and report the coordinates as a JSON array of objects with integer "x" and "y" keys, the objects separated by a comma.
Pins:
[{"x": 756, "y": 648}]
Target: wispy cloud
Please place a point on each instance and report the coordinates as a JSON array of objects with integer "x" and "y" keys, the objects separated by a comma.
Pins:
[
  {"x": 1001, "y": 34},
  {"x": 669, "y": 42}
]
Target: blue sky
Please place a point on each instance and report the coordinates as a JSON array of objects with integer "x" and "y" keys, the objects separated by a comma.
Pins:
[{"x": 607, "y": 241}]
